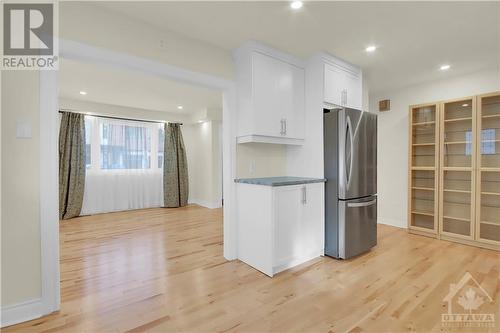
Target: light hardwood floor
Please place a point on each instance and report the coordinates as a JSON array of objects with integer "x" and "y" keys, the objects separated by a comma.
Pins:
[{"x": 162, "y": 270}]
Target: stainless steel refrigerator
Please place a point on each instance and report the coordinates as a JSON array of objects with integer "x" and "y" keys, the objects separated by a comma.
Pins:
[{"x": 350, "y": 143}]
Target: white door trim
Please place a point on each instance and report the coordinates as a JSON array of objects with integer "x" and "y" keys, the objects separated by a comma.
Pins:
[
  {"x": 49, "y": 162},
  {"x": 49, "y": 189}
]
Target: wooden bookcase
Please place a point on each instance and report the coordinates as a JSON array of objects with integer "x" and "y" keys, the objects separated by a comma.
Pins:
[
  {"x": 423, "y": 162},
  {"x": 454, "y": 173},
  {"x": 488, "y": 169},
  {"x": 456, "y": 168}
]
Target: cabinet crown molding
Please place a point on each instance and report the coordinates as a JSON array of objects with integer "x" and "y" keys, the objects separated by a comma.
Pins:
[
  {"x": 327, "y": 58},
  {"x": 253, "y": 46}
]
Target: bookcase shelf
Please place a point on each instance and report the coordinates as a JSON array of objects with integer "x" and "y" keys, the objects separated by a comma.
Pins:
[
  {"x": 457, "y": 191},
  {"x": 456, "y": 218},
  {"x": 491, "y": 223},
  {"x": 491, "y": 116},
  {"x": 424, "y": 123},
  {"x": 423, "y": 144},
  {"x": 423, "y": 188},
  {"x": 458, "y": 119}
]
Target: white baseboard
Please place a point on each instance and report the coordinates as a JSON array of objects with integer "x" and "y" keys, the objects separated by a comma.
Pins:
[
  {"x": 297, "y": 261},
  {"x": 206, "y": 204},
  {"x": 392, "y": 222},
  {"x": 21, "y": 312}
]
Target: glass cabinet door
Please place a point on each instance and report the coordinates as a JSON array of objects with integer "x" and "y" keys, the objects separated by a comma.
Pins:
[
  {"x": 423, "y": 168},
  {"x": 488, "y": 165},
  {"x": 457, "y": 165}
]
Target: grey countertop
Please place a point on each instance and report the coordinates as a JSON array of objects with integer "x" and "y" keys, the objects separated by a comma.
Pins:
[{"x": 279, "y": 181}]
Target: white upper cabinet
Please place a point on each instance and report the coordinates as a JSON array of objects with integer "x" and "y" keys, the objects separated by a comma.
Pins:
[
  {"x": 334, "y": 85},
  {"x": 353, "y": 97},
  {"x": 271, "y": 106},
  {"x": 343, "y": 85}
]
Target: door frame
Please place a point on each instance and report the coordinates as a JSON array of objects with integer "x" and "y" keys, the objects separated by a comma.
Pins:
[{"x": 49, "y": 156}]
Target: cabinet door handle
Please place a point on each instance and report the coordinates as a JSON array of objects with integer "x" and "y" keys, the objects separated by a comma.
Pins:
[
  {"x": 281, "y": 129},
  {"x": 345, "y": 103},
  {"x": 304, "y": 195},
  {"x": 284, "y": 120}
]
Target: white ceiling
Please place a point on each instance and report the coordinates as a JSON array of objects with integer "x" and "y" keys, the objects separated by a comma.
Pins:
[
  {"x": 133, "y": 89},
  {"x": 414, "y": 38}
]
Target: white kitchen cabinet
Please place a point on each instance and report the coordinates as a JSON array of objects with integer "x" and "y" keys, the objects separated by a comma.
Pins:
[
  {"x": 271, "y": 105},
  {"x": 280, "y": 226},
  {"x": 343, "y": 85},
  {"x": 288, "y": 242},
  {"x": 334, "y": 85}
]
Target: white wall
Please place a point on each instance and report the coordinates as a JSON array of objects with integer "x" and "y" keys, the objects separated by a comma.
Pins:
[
  {"x": 260, "y": 160},
  {"x": 393, "y": 135},
  {"x": 90, "y": 24},
  {"x": 122, "y": 111},
  {"x": 20, "y": 215},
  {"x": 203, "y": 149}
]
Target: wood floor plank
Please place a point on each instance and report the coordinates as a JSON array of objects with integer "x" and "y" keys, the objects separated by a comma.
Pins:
[{"x": 162, "y": 270}]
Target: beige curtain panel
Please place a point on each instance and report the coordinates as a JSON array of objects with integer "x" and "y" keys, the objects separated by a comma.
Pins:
[
  {"x": 71, "y": 164},
  {"x": 175, "y": 169}
]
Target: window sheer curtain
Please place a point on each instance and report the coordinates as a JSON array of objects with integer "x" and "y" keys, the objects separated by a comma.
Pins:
[{"x": 123, "y": 169}]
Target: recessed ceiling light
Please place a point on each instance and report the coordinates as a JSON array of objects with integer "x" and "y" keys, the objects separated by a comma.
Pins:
[
  {"x": 180, "y": 107},
  {"x": 371, "y": 48},
  {"x": 83, "y": 93},
  {"x": 296, "y": 4},
  {"x": 444, "y": 67},
  {"x": 465, "y": 105}
]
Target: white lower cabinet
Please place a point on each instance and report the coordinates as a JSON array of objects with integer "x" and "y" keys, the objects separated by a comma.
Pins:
[{"x": 280, "y": 227}]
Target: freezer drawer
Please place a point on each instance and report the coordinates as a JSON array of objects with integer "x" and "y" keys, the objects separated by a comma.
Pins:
[{"x": 357, "y": 226}]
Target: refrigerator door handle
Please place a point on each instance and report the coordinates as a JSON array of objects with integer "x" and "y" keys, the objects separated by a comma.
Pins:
[
  {"x": 348, "y": 152},
  {"x": 362, "y": 204}
]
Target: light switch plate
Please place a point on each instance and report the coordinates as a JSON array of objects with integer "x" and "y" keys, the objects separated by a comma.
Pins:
[
  {"x": 251, "y": 169},
  {"x": 23, "y": 130}
]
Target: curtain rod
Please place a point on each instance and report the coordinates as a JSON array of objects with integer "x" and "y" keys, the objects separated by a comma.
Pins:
[{"x": 118, "y": 118}]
